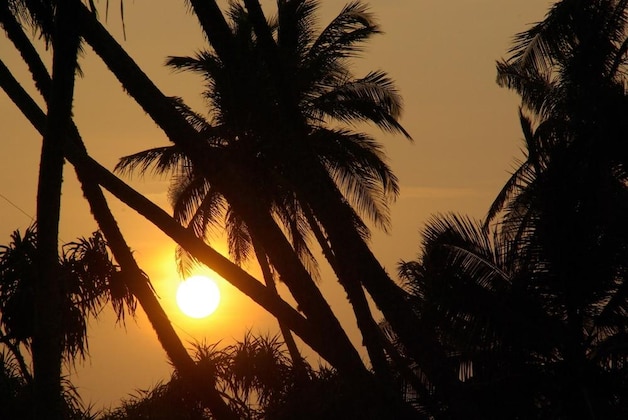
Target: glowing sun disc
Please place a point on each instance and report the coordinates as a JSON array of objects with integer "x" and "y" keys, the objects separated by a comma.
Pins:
[{"x": 198, "y": 296}]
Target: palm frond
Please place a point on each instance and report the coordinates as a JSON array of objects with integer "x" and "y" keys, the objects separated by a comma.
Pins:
[
  {"x": 511, "y": 188},
  {"x": 372, "y": 98},
  {"x": 357, "y": 163},
  {"x": 469, "y": 247},
  {"x": 296, "y": 28},
  {"x": 195, "y": 119},
  {"x": 547, "y": 41},
  {"x": 161, "y": 159},
  {"x": 186, "y": 262},
  {"x": 238, "y": 237},
  {"x": 204, "y": 63},
  {"x": 341, "y": 38},
  {"x": 533, "y": 87},
  {"x": 297, "y": 227}
]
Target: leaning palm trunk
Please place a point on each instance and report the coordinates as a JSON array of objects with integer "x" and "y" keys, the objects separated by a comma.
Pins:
[
  {"x": 172, "y": 228},
  {"x": 293, "y": 274},
  {"x": 139, "y": 286},
  {"x": 48, "y": 292},
  {"x": 240, "y": 194},
  {"x": 357, "y": 264},
  {"x": 371, "y": 334},
  {"x": 297, "y": 361}
]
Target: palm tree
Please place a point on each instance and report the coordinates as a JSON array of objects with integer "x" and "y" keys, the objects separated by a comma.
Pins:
[
  {"x": 91, "y": 280},
  {"x": 496, "y": 317},
  {"x": 331, "y": 340},
  {"x": 244, "y": 116},
  {"x": 545, "y": 297},
  {"x": 89, "y": 276},
  {"x": 570, "y": 72},
  {"x": 355, "y": 260},
  {"x": 95, "y": 173},
  {"x": 537, "y": 304},
  {"x": 47, "y": 338},
  {"x": 372, "y": 104}
]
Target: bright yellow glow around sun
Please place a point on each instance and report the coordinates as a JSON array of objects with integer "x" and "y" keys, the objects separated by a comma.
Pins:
[{"x": 198, "y": 296}]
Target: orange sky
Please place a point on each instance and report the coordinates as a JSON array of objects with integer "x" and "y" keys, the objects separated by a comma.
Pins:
[{"x": 442, "y": 56}]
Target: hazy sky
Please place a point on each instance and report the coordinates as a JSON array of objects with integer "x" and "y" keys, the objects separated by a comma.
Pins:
[{"x": 442, "y": 56}]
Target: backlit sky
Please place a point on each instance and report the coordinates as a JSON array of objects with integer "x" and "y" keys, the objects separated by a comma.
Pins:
[{"x": 442, "y": 56}]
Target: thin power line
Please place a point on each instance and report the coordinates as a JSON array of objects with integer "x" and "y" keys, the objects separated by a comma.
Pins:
[
  {"x": 22, "y": 211},
  {"x": 17, "y": 207}
]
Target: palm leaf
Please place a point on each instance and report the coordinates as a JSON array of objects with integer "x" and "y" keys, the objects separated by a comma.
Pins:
[
  {"x": 161, "y": 159},
  {"x": 370, "y": 99}
]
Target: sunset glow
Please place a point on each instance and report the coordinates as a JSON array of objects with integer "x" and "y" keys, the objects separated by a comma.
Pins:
[
  {"x": 198, "y": 296},
  {"x": 429, "y": 67}
]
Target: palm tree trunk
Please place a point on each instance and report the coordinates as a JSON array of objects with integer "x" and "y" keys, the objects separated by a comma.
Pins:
[
  {"x": 293, "y": 274},
  {"x": 49, "y": 291},
  {"x": 371, "y": 334},
  {"x": 241, "y": 280},
  {"x": 295, "y": 355},
  {"x": 141, "y": 289},
  {"x": 30, "y": 56},
  {"x": 357, "y": 264},
  {"x": 214, "y": 26}
]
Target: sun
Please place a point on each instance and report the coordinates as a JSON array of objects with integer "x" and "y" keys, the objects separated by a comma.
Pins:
[{"x": 198, "y": 296}]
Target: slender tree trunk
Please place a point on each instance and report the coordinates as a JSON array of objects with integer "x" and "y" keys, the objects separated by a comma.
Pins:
[
  {"x": 357, "y": 264},
  {"x": 204, "y": 253},
  {"x": 214, "y": 26},
  {"x": 297, "y": 361},
  {"x": 49, "y": 292},
  {"x": 246, "y": 283},
  {"x": 30, "y": 56},
  {"x": 371, "y": 334},
  {"x": 140, "y": 287}
]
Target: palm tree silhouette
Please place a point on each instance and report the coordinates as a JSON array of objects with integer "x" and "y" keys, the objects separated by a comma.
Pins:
[
  {"x": 476, "y": 306},
  {"x": 91, "y": 172},
  {"x": 247, "y": 125},
  {"x": 56, "y": 21},
  {"x": 355, "y": 263},
  {"x": 490, "y": 303},
  {"x": 570, "y": 72},
  {"x": 541, "y": 304},
  {"x": 166, "y": 114},
  {"x": 91, "y": 281},
  {"x": 89, "y": 276}
]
